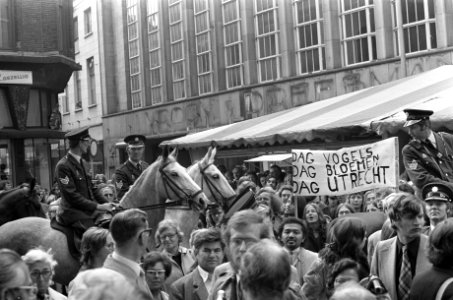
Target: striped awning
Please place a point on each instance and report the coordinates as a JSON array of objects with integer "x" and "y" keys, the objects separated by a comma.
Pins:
[{"x": 378, "y": 109}]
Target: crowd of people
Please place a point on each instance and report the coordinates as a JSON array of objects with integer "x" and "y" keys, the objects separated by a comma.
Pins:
[{"x": 282, "y": 246}]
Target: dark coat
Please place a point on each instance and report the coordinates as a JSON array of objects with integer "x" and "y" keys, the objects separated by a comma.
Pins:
[
  {"x": 126, "y": 175},
  {"x": 426, "y": 284},
  {"x": 189, "y": 287},
  {"x": 425, "y": 165},
  {"x": 78, "y": 196}
]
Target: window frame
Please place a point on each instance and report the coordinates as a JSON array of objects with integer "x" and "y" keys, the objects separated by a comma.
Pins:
[
  {"x": 232, "y": 71},
  {"x": 88, "y": 22},
  {"x": 205, "y": 77},
  {"x": 155, "y": 87}
]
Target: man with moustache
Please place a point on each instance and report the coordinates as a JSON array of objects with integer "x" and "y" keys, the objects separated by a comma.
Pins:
[
  {"x": 292, "y": 234},
  {"x": 397, "y": 260},
  {"x": 437, "y": 198},
  {"x": 208, "y": 248}
]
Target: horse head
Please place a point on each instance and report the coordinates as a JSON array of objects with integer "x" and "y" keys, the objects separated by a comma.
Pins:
[
  {"x": 165, "y": 179},
  {"x": 211, "y": 180}
]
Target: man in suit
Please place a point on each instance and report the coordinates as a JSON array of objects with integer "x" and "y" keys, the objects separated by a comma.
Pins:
[
  {"x": 196, "y": 285},
  {"x": 265, "y": 271},
  {"x": 428, "y": 157},
  {"x": 128, "y": 172},
  {"x": 80, "y": 203},
  {"x": 397, "y": 260},
  {"x": 244, "y": 229},
  {"x": 437, "y": 198},
  {"x": 131, "y": 234},
  {"x": 292, "y": 233}
]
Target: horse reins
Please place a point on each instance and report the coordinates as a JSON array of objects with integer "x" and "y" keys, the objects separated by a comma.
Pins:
[{"x": 211, "y": 186}]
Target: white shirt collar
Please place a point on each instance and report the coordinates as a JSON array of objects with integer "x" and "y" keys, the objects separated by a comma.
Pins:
[
  {"x": 134, "y": 163},
  {"x": 77, "y": 157},
  {"x": 130, "y": 263},
  {"x": 432, "y": 139},
  {"x": 204, "y": 275}
]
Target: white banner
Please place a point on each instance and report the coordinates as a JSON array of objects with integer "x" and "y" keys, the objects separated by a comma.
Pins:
[
  {"x": 347, "y": 170},
  {"x": 16, "y": 77}
]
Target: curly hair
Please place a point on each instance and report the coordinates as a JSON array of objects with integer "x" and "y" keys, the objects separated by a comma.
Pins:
[{"x": 343, "y": 265}]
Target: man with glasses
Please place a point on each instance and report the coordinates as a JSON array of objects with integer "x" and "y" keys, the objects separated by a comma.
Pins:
[
  {"x": 128, "y": 172},
  {"x": 131, "y": 234},
  {"x": 80, "y": 202},
  {"x": 196, "y": 285}
]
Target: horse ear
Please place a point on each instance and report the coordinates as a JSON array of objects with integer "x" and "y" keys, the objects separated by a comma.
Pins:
[
  {"x": 165, "y": 152},
  {"x": 213, "y": 152},
  {"x": 175, "y": 152}
]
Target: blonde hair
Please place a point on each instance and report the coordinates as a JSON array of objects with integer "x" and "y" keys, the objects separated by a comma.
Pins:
[{"x": 39, "y": 255}]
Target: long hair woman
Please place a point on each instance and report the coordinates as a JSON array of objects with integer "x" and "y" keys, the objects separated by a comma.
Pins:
[
  {"x": 317, "y": 225},
  {"x": 346, "y": 238}
]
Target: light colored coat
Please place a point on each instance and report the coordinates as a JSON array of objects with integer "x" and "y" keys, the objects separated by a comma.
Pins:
[
  {"x": 189, "y": 287},
  {"x": 384, "y": 262},
  {"x": 303, "y": 261}
]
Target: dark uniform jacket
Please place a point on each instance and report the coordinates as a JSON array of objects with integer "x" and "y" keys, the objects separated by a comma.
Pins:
[
  {"x": 126, "y": 175},
  {"x": 425, "y": 164},
  {"x": 78, "y": 197}
]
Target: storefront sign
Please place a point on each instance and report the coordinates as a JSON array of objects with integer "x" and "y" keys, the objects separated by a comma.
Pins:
[
  {"x": 345, "y": 171},
  {"x": 16, "y": 77}
]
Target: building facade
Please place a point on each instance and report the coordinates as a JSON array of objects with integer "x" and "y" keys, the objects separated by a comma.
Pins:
[
  {"x": 36, "y": 61},
  {"x": 183, "y": 66}
]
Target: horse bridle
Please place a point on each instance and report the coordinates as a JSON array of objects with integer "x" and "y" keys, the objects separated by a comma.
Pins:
[
  {"x": 211, "y": 186},
  {"x": 169, "y": 183}
]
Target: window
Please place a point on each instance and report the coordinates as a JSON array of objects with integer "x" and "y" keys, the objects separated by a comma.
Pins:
[
  {"x": 76, "y": 35},
  {"x": 154, "y": 43},
  {"x": 88, "y": 24},
  {"x": 203, "y": 46},
  {"x": 63, "y": 100},
  {"x": 5, "y": 24},
  {"x": 309, "y": 38},
  {"x": 419, "y": 25},
  {"x": 91, "y": 82},
  {"x": 233, "y": 43},
  {"x": 175, "y": 15},
  {"x": 267, "y": 43},
  {"x": 133, "y": 37},
  {"x": 77, "y": 91},
  {"x": 358, "y": 32}
]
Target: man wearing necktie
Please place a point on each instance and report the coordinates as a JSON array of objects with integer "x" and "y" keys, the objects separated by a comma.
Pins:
[
  {"x": 428, "y": 157},
  {"x": 128, "y": 172},
  {"x": 397, "y": 260},
  {"x": 80, "y": 202},
  {"x": 208, "y": 254}
]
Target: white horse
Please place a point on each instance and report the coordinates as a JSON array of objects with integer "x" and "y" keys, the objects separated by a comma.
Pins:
[
  {"x": 213, "y": 184},
  {"x": 164, "y": 179}
]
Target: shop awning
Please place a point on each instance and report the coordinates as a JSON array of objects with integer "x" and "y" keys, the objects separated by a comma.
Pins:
[
  {"x": 270, "y": 158},
  {"x": 378, "y": 109}
]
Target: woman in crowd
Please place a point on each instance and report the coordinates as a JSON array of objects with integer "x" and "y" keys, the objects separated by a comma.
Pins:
[
  {"x": 357, "y": 201},
  {"x": 370, "y": 207},
  {"x": 268, "y": 204},
  {"x": 108, "y": 191},
  {"x": 169, "y": 236},
  {"x": 440, "y": 253},
  {"x": 345, "y": 240},
  {"x": 344, "y": 209},
  {"x": 157, "y": 268},
  {"x": 41, "y": 265},
  {"x": 15, "y": 281},
  {"x": 317, "y": 225},
  {"x": 332, "y": 203},
  {"x": 370, "y": 196},
  {"x": 286, "y": 195},
  {"x": 345, "y": 270},
  {"x": 97, "y": 244}
]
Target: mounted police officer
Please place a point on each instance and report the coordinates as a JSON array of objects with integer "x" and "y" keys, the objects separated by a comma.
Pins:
[
  {"x": 127, "y": 173},
  {"x": 80, "y": 202},
  {"x": 429, "y": 156}
]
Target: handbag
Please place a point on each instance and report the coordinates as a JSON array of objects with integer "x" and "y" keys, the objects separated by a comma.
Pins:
[{"x": 443, "y": 287}]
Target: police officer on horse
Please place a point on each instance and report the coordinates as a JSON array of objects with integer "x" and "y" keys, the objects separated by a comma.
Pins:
[
  {"x": 80, "y": 202},
  {"x": 128, "y": 172}
]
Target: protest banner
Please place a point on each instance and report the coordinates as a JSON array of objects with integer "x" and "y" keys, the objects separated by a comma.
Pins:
[{"x": 347, "y": 170}]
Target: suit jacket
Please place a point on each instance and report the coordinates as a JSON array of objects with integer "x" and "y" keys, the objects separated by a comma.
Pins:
[
  {"x": 126, "y": 175},
  {"x": 303, "y": 261},
  {"x": 120, "y": 267},
  {"x": 78, "y": 196},
  {"x": 177, "y": 272},
  {"x": 189, "y": 287},
  {"x": 426, "y": 285},
  {"x": 425, "y": 165},
  {"x": 384, "y": 262}
]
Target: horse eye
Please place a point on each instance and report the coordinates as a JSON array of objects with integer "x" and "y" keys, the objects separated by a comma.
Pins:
[
  {"x": 174, "y": 174},
  {"x": 215, "y": 176}
]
